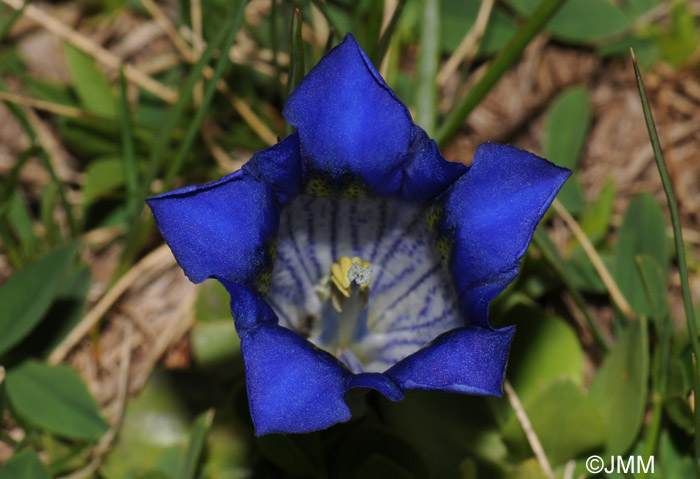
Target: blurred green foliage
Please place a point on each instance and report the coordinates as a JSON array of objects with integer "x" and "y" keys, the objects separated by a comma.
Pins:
[{"x": 580, "y": 397}]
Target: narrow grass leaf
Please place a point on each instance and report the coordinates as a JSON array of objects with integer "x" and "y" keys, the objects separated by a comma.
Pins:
[
  {"x": 28, "y": 294},
  {"x": 296, "y": 61},
  {"x": 128, "y": 150},
  {"x": 210, "y": 90},
  {"x": 195, "y": 449},
  {"x": 680, "y": 251},
  {"x": 510, "y": 53},
  {"x": 160, "y": 146},
  {"x": 22, "y": 225},
  {"x": 428, "y": 63},
  {"x": 385, "y": 39}
]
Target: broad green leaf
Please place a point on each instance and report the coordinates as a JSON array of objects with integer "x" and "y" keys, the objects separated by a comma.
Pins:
[
  {"x": 619, "y": 389},
  {"x": 643, "y": 231},
  {"x": 654, "y": 281},
  {"x": 567, "y": 126},
  {"x": 28, "y": 294},
  {"x": 566, "y": 421},
  {"x": 24, "y": 465},
  {"x": 580, "y": 21},
  {"x": 90, "y": 84},
  {"x": 68, "y": 307},
  {"x": 595, "y": 220},
  {"x": 296, "y": 454},
  {"x": 154, "y": 421},
  {"x": 371, "y": 450},
  {"x": 104, "y": 176},
  {"x": 676, "y": 457},
  {"x": 568, "y": 120},
  {"x": 446, "y": 428},
  {"x": 544, "y": 349},
  {"x": 54, "y": 398}
]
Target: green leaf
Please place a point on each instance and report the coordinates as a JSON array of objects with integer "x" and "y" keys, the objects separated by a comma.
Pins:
[
  {"x": 643, "y": 231},
  {"x": 595, "y": 220},
  {"x": 24, "y": 465},
  {"x": 90, "y": 84},
  {"x": 654, "y": 281},
  {"x": 566, "y": 421},
  {"x": 374, "y": 451},
  {"x": 56, "y": 399},
  {"x": 567, "y": 125},
  {"x": 297, "y": 454},
  {"x": 676, "y": 402},
  {"x": 28, "y": 294},
  {"x": 680, "y": 43},
  {"x": 620, "y": 388},
  {"x": 214, "y": 343},
  {"x": 458, "y": 17},
  {"x": 428, "y": 64},
  {"x": 198, "y": 440},
  {"x": 580, "y": 21},
  {"x": 21, "y": 221},
  {"x": 446, "y": 428},
  {"x": 104, "y": 176},
  {"x": 545, "y": 348},
  {"x": 568, "y": 121}
]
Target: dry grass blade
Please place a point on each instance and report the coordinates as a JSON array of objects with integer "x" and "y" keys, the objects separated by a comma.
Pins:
[
  {"x": 596, "y": 260},
  {"x": 469, "y": 45},
  {"x": 530, "y": 434},
  {"x": 104, "y": 444},
  {"x": 96, "y": 51},
  {"x": 57, "y": 108},
  {"x": 157, "y": 260}
]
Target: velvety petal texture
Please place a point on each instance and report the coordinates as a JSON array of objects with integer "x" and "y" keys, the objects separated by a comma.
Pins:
[
  {"x": 219, "y": 230},
  {"x": 360, "y": 179},
  {"x": 489, "y": 216},
  {"x": 352, "y": 127}
]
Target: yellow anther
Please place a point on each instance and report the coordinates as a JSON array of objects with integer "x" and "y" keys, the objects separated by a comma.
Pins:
[{"x": 347, "y": 271}]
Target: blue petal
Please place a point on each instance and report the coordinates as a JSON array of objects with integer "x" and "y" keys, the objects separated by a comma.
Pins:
[
  {"x": 279, "y": 167},
  {"x": 490, "y": 214},
  {"x": 222, "y": 229},
  {"x": 292, "y": 385},
  {"x": 379, "y": 382},
  {"x": 352, "y": 127},
  {"x": 249, "y": 309},
  {"x": 466, "y": 360}
]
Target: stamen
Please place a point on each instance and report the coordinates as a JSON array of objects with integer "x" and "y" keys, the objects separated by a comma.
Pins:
[{"x": 348, "y": 271}]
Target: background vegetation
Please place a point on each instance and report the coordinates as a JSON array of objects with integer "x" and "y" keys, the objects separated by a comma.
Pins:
[{"x": 115, "y": 367}]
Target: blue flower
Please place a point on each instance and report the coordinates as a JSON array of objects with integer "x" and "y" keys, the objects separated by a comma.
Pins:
[{"x": 355, "y": 255}]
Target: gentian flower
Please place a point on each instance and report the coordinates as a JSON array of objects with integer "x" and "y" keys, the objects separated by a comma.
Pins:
[{"x": 355, "y": 255}]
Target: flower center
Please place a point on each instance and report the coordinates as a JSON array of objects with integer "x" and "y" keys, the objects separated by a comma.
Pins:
[
  {"x": 361, "y": 278},
  {"x": 349, "y": 293}
]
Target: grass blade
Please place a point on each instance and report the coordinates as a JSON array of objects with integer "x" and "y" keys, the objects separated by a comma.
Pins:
[
  {"x": 136, "y": 232},
  {"x": 428, "y": 63},
  {"x": 296, "y": 61},
  {"x": 680, "y": 251},
  {"x": 510, "y": 53},
  {"x": 196, "y": 446},
  {"x": 196, "y": 122},
  {"x": 5, "y": 29},
  {"x": 129, "y": 157},
  {"x": 385, "y": 40}
]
